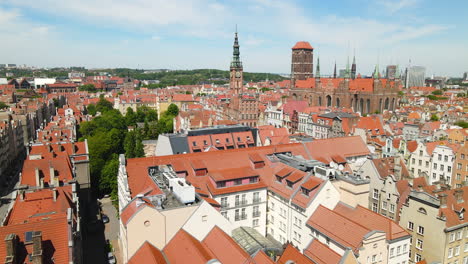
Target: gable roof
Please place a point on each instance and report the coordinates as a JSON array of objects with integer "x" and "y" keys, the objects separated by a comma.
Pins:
[
  {"x": 184, "y": 248},
  {"x": 291, "y": 253},
  {"x": 321, "y": 254},
  {"x": 149, "y": 254},
  {"x": 226, "y": 250}
]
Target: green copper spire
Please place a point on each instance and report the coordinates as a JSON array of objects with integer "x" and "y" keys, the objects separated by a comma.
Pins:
[
  {"x": 317, "y": 71},
  {"x": 236, "y": 62},
  {"x": 376, "y": 72}
]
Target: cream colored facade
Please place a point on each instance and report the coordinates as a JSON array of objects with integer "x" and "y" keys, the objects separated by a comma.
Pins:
[
  {"x": 159, "y": 226},
  {"x": 353, "y": 192},
  {"x": 420, "y": 218}
]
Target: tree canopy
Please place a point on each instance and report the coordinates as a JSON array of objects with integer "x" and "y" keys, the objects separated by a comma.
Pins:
[{"x": 3, "y": 105}]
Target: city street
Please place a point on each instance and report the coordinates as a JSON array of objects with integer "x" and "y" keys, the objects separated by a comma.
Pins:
[{"x": 111, "y": 229}]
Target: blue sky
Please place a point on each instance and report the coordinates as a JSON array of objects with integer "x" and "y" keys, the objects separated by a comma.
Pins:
[{"x": 179, "y": 34}]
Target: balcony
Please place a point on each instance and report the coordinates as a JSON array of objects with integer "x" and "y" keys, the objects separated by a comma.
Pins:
[
  {"x": 240, "y": 217},
  {"x": 256, "y": 214},
  {"x": 241, "y": 203}
]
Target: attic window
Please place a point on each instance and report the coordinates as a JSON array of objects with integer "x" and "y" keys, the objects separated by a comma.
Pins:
[
  {"x": 194, "y": 143},
  {"x": 305, "y": 191},
  {"x": 204, "y": 142},
  {"x": 217, "y": 141},
  {"x": 278, "y": 178},
  {"x": 227, "y": 140},
  {"x": 238, "y": 139},
  {"x": 422, "y": 210},
  {"x": 290, "y": 184}
]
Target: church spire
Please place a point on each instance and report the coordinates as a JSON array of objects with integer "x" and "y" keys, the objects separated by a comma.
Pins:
[
  {"x": 353, "y": 67},
  {"x": 317, "y": 71},
  {"x": 334, "y": 71},
  {"x": 236, "y": 62}
]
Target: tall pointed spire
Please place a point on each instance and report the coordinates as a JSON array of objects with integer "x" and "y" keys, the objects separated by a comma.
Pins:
[
  {"x": 236, "y": 62},
  {"x": 317, "y": 71},
  {"x": 353, "y": 66},
  {"x": 334, "y": 71}
]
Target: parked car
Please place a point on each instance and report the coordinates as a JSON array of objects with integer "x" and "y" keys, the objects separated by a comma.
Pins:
[
  {"x": 105, "y": 219},
  {"x": 111, "y": 258}
]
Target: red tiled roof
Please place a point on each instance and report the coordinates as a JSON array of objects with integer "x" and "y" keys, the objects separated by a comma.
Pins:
[
  {"x": 321, "y": 254},
  {"x": 147, "y": 253},
  {"x": 226, "y": 250},
  {"x": 54, "y": 236},
  {"x": 291, "y": 253},
  {"x": 131, "y": 208},
  {"x": 302, "y": 45},
  {"x": 184, "y": 248},
  {"x": 261, "y": 258}
]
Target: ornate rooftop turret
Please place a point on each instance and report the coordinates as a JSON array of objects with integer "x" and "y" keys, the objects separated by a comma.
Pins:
[{"x": 236, "y": 62}]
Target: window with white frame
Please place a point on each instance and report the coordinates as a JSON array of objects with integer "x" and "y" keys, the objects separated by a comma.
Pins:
[
  {"x": 374, "y": 207},
  {"x": 421, "y": 230},
  {"x": 376, "y": 194},
  {"x": 450, "y": 253},
  {"x": 404, "y": 248},
  {"x": 410, "y": 225},
  {"x": 452, "y": 237},
  {"x": 398, "y": 250},
  {"x": 392, "y": 252},
  {"x": 459, "y": 235},
  {"x": 419, "y": 244},
  {"x": 392, "y": 208},
  {"x": 417, "y": 258},
  {"x": 457, "y": 251},
  {"x": 384, "y": 205}
]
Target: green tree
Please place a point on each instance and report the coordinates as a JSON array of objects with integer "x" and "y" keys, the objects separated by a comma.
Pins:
[
  {"x": 103, "y": 105},
  {"x": 461, "y": 95},
  {"x": 173, "y": 110},
  {"x": 129, "y": 145},
  {"x": 434, "y": 117},
  {"x": 462, "y": 124},
  {"x": 139, "y": 151},
  {"x": 88, "y": 87},
  {"x": 130, "y": 117},
  {"x": 108, "y": 177},
  {"x": 91, "y": 108},
  {"x": 437, "y": 92},
  {"x": 3, "y": 105}
]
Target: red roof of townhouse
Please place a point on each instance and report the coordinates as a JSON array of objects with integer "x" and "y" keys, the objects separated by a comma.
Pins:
[
  {"x": 372, "y": 220},
  {"x": 292, "y": 253},
  {"x": 148, "y": 253},
  {"x": 61, "y": 167},
  {"x": 182, "y": 98},
  {"x": 184, "y": 248},
  {"x": 55, "y": 237},
  {"x": 34, "y": 206},
  {"x": 302, "y": 45},
  {"x": 321, "y": 254},
  {"x": 261, "y": 258},
  {"x": 372, "y": 124},
  {"x": 338, "y": 227},
  {"x": 226, "y": 250}
]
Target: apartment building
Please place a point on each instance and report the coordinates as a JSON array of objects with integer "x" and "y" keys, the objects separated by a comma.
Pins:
[
  {"x": 443, "y": 158},
  {"x": 434, "y": 217},
  {"x": 460, "y": 167}
]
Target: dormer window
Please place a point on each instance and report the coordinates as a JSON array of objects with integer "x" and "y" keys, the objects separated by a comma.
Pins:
[
  {"x": 290, "y": 184},
  {"x": 278, "y": 178},
  {"x": 305, "y": 191},
  {"x": 238, "y": 139},
  {"x": 194, "y": 143},
  {"x": 217, "y": 141},
  {"x": 204, "y": 142}
]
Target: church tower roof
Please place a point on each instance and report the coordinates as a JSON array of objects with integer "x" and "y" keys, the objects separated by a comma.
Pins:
[
  {"x": 303, "y": 45},
  {"x": 236, "y": 62}
]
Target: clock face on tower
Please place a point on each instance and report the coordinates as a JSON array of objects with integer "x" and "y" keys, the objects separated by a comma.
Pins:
[{"x": 238, "y": 74}]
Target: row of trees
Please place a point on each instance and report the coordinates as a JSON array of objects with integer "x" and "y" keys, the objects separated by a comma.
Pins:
[{"x": 110, "y": 133}]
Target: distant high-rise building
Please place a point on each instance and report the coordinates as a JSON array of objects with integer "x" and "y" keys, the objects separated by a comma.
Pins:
[
  {"x": 390, "y": 72},
  {"x": 415, "y": 76},
  {"x": 334, "y": 71},
  {"x": 465, "y": 76},
  {"x": 302, "y": 62},
  {"x": 342, "y": 73}
]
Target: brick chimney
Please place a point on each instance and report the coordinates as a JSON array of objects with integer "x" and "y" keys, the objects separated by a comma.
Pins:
[
  {"x": 10, "y": 242},
  {"x": 37, "y": 247},
  {"x": 54, "y": 194},
  {"x": 459, "y": 196},
  {"x": 443, "y": 200},
  {"x": 52, "y": 176}
]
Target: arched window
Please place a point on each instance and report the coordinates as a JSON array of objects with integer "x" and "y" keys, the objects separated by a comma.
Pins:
[
  {"x": 329, "y": 101},
  {"x": 422, "y": 210},
  {"x": 337, "y": 102}
]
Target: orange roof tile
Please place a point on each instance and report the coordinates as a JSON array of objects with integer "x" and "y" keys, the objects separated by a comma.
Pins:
[
  {"x": 184, "y": 248},
  {"x": 291, "y": 253},
  {"x": 321, "y": 254},
  {"x": 147, "y": 253},
  {"x": 226, "y": 250},
  {"x": 302, "y": 45}
]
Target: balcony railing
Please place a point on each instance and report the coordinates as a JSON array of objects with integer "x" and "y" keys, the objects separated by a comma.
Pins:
[
  {"x": 241, "y": 203},
  {"x": 240, "y": 217}
]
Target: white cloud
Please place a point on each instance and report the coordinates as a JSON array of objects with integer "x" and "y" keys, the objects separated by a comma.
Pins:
[{"x": 394, "y": 6}]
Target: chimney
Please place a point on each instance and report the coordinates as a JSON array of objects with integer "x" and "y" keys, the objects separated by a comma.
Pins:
[
  {"x": 10, "y": 243},
  {"x": 21, "y": 193},
  {"x": 54, "y": 194},
  {"x": 52, "y": 176},
  {"x": 49, "y": 147},
  {"x": 37, "y": 247},
  {"x": 38, "y": 177},
  {"x": 459, "y": 195},
  {"x": 443, "y": 200}
]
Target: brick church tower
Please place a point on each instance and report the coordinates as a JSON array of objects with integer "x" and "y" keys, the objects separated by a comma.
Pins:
[
  {"x": 302, "y": 62},
  {"x": 236, "y": 76}
]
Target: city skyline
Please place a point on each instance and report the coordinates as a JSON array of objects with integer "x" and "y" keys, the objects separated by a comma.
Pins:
[{"x": 182, "y": 35}]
